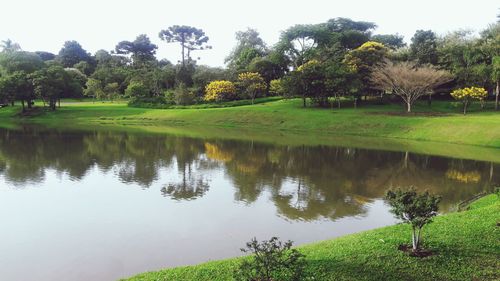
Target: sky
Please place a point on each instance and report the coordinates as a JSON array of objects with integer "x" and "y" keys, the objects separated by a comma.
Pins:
[{"x": 100, "y": 24}]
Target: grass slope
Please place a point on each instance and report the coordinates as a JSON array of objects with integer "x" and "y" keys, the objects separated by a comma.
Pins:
[
  {"x": 441, "y": 123},
  {"x": 466, "y": 245}
]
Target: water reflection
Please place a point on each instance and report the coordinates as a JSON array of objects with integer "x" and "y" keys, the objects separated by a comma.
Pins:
[{"x": 305, "y": 183}]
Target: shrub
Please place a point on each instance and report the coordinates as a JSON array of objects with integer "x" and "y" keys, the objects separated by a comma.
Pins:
[
  {"x": 220, "y": 90},
  {"x": 413, "y": 208},
  {"x": 468, "y": 95},
  {"x": 272, "y": 260}
]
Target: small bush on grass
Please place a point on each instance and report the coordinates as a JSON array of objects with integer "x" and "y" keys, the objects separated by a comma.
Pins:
[{"x": 272, "y": 260}]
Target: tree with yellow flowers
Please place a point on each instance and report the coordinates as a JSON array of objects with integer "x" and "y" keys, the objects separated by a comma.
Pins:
[
  {"x": 469, "y": 95},
  {"x": 220, "y": 90},
  {"x": 276, "y": 87},
  {"x": 252, "y": 84}
]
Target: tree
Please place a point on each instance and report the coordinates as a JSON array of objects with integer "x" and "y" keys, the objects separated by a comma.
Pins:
[
  {"x": 363, "y": 60},
  {"x": 248, "y": 47},
  {"x": 252, "y": 84},
  {"x": 45, "y": 56},
  {"x": 93, "y": 88},
  {"x": 75, "y": 83},
  {"x": 496, "y": 77},
  {"x": 393, "y": 41},
  {"x": 72, "y": 53},
  {"x": 468, "y": 95},
  {"x": 112, "y": 90},
  {"x": 339, "y": 80},
  {"x": 51, "y": 83},
  {"x": 141, "y": 49},
  {"x": 299, "y": 41},
  {"x": 311, "y": 81},
  {"x": 271, "y": 260},
  {"x": 183, "y": 95},
  {"x": 413, "y": 208},
  {"x": 17, "y": 86},
  {"x": 276, "y": 87},
  {"x": 8, "y": 89},
  {"x": 23, "y": 61},
  {"x": 348, "y": 34},
  {"x": 267, "y": 68},
  {"x": 203, "y": 75},
  {"x": 137, "y": 90},
  {"x": 84, "y": 67},
  {"x": 16, "y": 68},
  {"x": 103, "y": 58},
  {"x": 407, "y": 80},
  {"x": 9, "y": 46},
  {"x": 423, "y": 47},
  {"x": 465, "y": 57},
  {"x": 190, "y": 38},
  {"x": 220, "y": 90}
]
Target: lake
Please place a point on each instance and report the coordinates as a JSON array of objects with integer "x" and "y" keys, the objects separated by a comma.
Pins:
[{"x": 97, "y": 205}]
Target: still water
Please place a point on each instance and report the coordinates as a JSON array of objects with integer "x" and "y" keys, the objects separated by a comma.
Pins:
[{"x": 102, "y": 205}]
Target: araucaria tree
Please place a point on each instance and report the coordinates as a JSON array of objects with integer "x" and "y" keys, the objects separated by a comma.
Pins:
[
  {"x": 141, "y": 49},
  {"x": 407, "y": 80},
  {"x": 416, "y": 209},
  {"x": 190, "y": 38}
]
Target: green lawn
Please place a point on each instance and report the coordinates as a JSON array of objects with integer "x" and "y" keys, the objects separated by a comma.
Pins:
[
  {"x": 445, "y": 130},
  {"x": 466, "y": 246}
]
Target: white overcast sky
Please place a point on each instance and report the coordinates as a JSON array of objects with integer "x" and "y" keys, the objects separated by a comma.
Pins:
[{"x": 100, "y": 24}]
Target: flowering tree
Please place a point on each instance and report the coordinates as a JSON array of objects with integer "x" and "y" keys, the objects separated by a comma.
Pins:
[
  {"x": 252, "y": 84},
  {"x": 468, "y": 95},
  {"x": 220, "y": 90},
  {"x": 276, "y": 87}
]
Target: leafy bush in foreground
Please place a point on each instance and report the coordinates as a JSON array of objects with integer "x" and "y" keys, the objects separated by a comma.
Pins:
[{"x": 272, "y": 260}]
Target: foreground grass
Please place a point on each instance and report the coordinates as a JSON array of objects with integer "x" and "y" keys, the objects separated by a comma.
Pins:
[
  {"x": 466, "y": 246},
  {"x": 440, "y": 123}
]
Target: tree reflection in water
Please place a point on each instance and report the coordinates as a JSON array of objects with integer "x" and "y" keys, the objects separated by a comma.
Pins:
[{"x": 303, "y": 182}]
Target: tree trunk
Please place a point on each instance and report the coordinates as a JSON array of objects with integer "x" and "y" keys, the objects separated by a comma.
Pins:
[
  {"x": 30, "y": 103},
  {"x": 417, "y": 246},
  {"x": 465, "y": 107},
  {"x": 22, "y": 103},
  {"x": 408, "y": 107},
  {"x": 338, "y": 103},
  {"x": 429, "y": 101},
  {"x": 497, "y": 94},
  {"x": 303, "y": 101},
  {"x": 355, "y": 102},
  {"x": 182, "y": 44},
  {"x": 414, "y": 241}
]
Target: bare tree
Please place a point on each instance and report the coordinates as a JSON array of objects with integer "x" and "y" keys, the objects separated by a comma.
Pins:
[{"x": 408, "y": 80}]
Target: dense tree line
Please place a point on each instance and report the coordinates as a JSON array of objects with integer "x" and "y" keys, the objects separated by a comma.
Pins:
[{"x": 321, "y": 63}]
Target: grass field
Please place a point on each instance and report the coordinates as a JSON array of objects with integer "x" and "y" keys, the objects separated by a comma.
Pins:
[
  {"x": 440, "y": 129},
  {"x": 466, "y": 246}
]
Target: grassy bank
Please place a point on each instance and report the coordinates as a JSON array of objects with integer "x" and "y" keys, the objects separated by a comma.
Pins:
[
  {"x": 466, "y": 246},
  {"x": 441, "y": 123}
]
